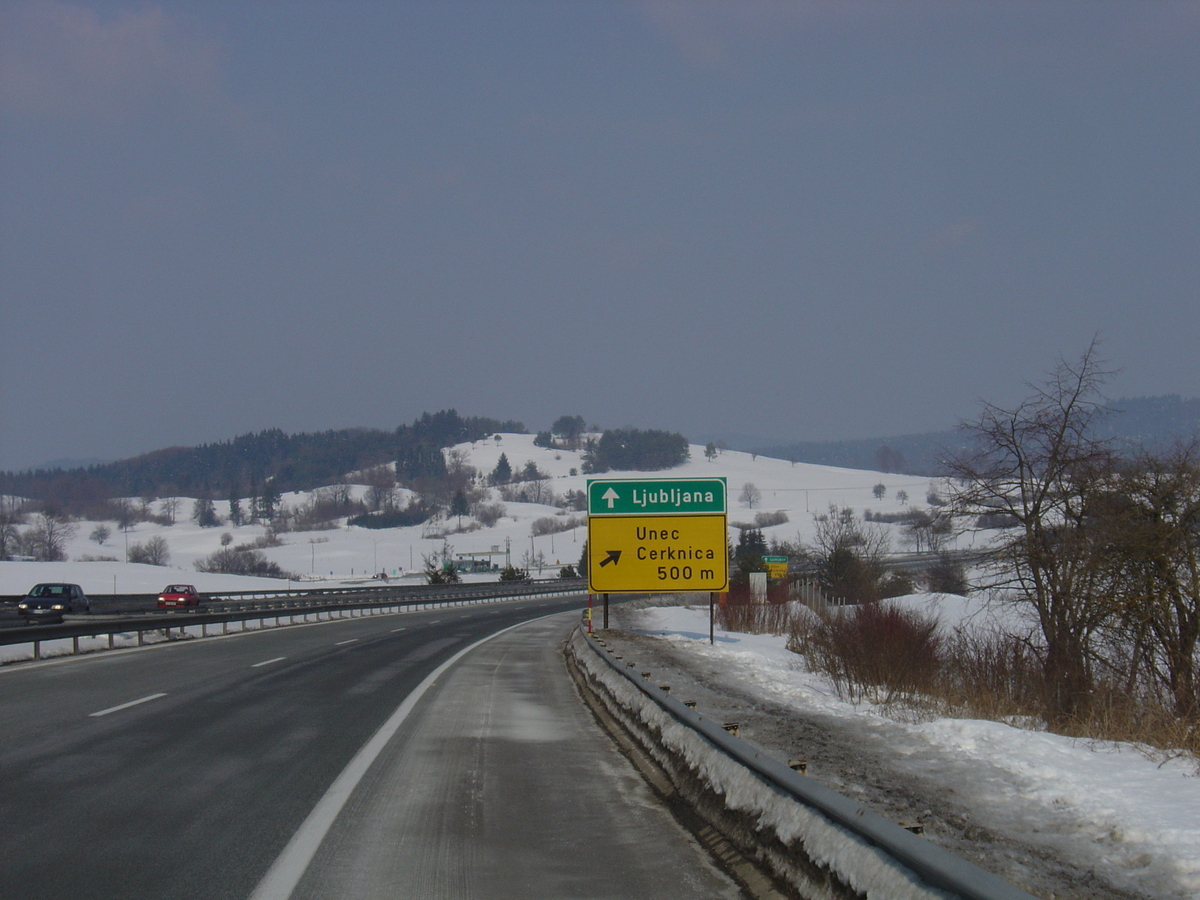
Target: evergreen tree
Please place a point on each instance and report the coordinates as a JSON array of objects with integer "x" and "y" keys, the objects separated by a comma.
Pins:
[
  {"x": 570, "y": 429},
  {"x": 235, "y": 508},
  {"x": 459, "y": 506},
  {"x": 751, "y": 548},
  {"x": 502, "y": 474},
  {"x": 268, "y": 501},
  {"x": 204, "y": 514}
]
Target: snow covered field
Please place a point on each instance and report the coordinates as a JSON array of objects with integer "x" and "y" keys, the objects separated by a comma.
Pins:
[{"x": 1133, "y": 815}]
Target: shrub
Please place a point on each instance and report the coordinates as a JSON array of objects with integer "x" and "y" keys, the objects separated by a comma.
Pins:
[
  {"x": 896, "y": 584},
  {"x": 489, "y": 514},
  {"x": 416, "y": 513},
  {"x": 739, "y": 612},
  {"x": 947, "y": 576},
  {"x": 152, "y": 553},
  {"x": 555, "y": 525},
  {"x": 443, "y": 574},
  {"x": 229, "y": 561},
  {"x": 997, "y": 520},
  {"x": 769, "y": 518},
  {"x": 512, "y": 573},
  {"x": 877, "y": 650}
]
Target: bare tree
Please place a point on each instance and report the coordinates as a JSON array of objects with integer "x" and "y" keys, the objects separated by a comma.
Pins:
[
  {"x": 9, "y": 534},
  {"x": 152, "y": 553},
  {"x": 850, "y": 556},
  {"x": 1040, "y": 464},
  {"x": 1154, "y": 530},
  {"x": 100, "y": 534},
  {"x": 49, "y": 535},
  {"x": 750, "y": 494},
  {"x": 381, "y": 487},
  {"x": 930, "y": 530}
]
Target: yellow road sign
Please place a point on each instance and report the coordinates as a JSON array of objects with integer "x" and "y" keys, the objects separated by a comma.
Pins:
[{"x": 633, "y": 554}]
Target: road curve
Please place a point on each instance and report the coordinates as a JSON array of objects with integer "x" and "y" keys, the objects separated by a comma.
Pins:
[
  {"x": 502, "y": 786},
  {"x": 184, "y": 771}
]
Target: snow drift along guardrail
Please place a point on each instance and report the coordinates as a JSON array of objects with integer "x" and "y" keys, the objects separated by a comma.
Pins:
[{"x": 807, "y": 836}]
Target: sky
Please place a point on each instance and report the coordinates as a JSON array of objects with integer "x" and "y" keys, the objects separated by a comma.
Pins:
[{"x": 799, "y": 221}]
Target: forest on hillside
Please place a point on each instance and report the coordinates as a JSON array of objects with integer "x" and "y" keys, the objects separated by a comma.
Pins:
[
  {"x": 243, "y": 466},
  {"x": 262, "y": 466}
]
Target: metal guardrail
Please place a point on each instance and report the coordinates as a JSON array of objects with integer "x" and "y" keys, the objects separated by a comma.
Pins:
[
  {"x": 938, "y": 867},
  {"x": 230, "y": 600},
  {"x": 443, "y": 595}
]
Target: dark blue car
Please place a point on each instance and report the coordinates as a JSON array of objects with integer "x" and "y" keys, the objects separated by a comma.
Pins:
[{"x": 50, "y": 602}]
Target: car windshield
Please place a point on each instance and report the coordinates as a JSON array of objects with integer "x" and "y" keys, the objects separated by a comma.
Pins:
[
  {"x": 178, "y": 589},
  {"x": 49, "y": 590}
]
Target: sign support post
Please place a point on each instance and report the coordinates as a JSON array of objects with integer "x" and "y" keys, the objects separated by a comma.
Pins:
[{"x": 712, "y": 615}]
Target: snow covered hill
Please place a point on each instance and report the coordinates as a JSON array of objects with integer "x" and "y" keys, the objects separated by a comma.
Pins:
[{"x": 349, "y": 553}]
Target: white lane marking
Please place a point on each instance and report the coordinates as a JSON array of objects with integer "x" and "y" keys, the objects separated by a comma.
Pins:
[
  {"x": 289, "y": 867},
  {"x": 351, "y": 641},
  {"x": 267, "y": 662},
  {"x": 394, "y": 630},
  {"x": 113, "y": 709}
]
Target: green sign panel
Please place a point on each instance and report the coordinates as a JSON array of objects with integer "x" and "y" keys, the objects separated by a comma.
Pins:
[{"x": 656, "y": 497}]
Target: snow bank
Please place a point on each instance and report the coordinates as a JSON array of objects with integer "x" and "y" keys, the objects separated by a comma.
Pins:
[
  {"x": 1138, "y": 812},
  {"x": 798, "y": 844}
]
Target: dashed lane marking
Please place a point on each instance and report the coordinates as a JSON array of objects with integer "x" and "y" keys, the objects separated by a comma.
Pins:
[{"x": 113, "y": 709}]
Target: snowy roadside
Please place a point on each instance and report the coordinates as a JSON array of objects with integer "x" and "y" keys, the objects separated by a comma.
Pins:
[{"x": 1057, "y": 816}]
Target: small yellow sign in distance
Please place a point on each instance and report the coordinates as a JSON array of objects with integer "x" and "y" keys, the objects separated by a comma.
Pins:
[
  {"x": 777, "y": 570},
  {"x": 635, "y": 554}
]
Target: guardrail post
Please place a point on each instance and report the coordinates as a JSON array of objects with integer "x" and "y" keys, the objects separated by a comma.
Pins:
[
  {"x": 75, "y": 645},
  {"x": 37, "y": 649}
]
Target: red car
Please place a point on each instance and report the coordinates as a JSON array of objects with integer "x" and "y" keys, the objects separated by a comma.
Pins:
[{"x": 178, "y": 595}]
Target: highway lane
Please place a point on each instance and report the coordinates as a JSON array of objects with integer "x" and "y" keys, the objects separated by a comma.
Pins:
[
  {"x": 183, "y": 771},
  {"x": 193, "y": 794},
  {"x": 501, "y": 785}
]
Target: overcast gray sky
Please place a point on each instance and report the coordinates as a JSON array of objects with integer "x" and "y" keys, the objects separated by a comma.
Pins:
[{"x": 800, "y": 220}]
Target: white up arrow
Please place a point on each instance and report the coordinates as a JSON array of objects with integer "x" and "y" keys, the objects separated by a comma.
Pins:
[{"x": 610, "y": 495}]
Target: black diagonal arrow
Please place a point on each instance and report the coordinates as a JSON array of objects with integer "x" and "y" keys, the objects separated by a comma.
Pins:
[{"x": 614, "y": 556}]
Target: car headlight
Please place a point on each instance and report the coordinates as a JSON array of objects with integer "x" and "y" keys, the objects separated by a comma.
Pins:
[
  {"x": 58, "y": 606},
  {"x": 22, "y": 606}
]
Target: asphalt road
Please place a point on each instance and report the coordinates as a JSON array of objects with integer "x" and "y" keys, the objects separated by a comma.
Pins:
[{"x": 185, "y": 771}]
